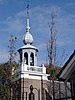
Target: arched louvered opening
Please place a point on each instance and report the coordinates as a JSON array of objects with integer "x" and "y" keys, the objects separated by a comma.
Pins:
[
  {"x": 20, "y": 57},
  {"x": 32, "y": 59},
  {"x": 26, "y": 58}
]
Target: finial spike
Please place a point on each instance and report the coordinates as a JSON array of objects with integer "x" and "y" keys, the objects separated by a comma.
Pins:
[
  {"x": 28, "y": 27},
  {"x": 28, "y": 9}
]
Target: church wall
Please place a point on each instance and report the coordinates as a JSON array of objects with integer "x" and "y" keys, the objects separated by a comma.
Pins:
[{"x": 39, "y": 89}]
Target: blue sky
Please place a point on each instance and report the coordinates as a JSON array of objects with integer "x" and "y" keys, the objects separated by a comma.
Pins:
[{"x": 13, "y": 21}]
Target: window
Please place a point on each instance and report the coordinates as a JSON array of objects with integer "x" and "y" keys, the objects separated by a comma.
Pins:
[
  {"x": 26, "y": 58},
  {"x": 32, "y": 59}
]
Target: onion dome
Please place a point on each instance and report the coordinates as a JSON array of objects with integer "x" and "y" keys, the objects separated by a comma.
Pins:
[{"x": 28, "y": 39}]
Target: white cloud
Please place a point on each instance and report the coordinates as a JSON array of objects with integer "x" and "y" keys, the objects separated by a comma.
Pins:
[{"x": 12, "y": 25}]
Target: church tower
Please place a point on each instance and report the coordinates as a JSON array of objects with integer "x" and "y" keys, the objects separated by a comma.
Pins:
[
  {"x": 28, "y": 53},
  {"x": 29, "y": 73}
]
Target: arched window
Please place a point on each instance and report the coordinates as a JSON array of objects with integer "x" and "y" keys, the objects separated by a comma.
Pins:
[
  {"x": 21, "y": 57},
  {"x": 26, "y": 58},
  {"x": 32, "y": 59}
]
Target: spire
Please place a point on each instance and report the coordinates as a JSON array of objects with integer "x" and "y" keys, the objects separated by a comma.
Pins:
[
  {"x": 28, "y": 39},
  {"x": 28, "y": 27}
]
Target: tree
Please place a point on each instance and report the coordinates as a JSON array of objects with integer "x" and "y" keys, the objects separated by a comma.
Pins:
[
  {"x": 4, "y": 81},
  {"x": 12, "y": 53},
  {"x": 12, "y": 48},
  {"x": 12, "y": 62},
  {"x": 53, "y": 72},
  {"x": 51, "y": 47},
  {"x": 54, "y": 61},
  {"x": 6, "y": 71}
]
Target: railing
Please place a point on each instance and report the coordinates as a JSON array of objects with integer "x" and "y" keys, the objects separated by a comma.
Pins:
[
  {"x": 34, "y": 68},
  {"x": 23, "y": 68}
]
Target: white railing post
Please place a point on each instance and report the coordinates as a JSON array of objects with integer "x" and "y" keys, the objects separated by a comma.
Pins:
[{"x": 43, "y": 69}]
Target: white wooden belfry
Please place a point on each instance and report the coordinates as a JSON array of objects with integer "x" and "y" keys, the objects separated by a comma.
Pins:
[{"x": 28, "y": 56}]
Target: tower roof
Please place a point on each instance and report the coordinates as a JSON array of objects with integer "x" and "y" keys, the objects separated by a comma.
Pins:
[{"x": 28, "y": 47}]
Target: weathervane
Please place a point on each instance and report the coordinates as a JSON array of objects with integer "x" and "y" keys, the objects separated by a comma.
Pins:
[
  {"x": 28, "y": 9},
  {"x": 28, "y": 26}
]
